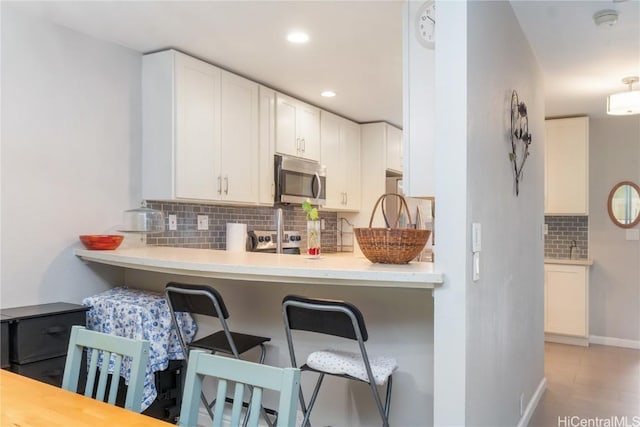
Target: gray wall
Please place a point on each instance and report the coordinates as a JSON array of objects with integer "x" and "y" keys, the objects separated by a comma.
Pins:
[
  {"x": 614, "y": 152},
  {"x": 488, "y": 349},
  {"x": 505, "y": 307},
  {"x": 70, "y": 155}
]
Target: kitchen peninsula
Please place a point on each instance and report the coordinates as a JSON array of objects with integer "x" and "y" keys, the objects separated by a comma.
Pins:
[
  {"x": 396, "y": 301},
  {"x": 335, "y": 269}
]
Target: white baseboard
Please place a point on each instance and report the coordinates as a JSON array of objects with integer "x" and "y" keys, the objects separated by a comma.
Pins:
[
  {"x": 533, "y": 403},
  {"x": 614, "y": 342},
  {"x": 566, "y": 339}
]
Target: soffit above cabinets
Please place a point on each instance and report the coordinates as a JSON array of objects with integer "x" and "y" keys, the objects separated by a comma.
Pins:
[{"x": 355, "y": 47}]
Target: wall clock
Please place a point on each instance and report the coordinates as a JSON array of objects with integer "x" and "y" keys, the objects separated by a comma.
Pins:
[{"x": 426, "y": 24}]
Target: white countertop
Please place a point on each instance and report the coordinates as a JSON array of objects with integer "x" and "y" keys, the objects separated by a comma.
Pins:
[
  {"x": 330, "y": 269},
  {"x": 582, "y": 261}
]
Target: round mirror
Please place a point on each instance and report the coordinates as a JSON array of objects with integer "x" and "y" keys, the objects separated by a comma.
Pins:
[{"x": 624, "y": 204}]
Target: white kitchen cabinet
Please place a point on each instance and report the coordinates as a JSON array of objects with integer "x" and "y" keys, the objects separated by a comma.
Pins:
[
  {"x": 267, "y": 142},
  {"x": 372, "y": 174},
  {"x": 566, "y": 303},
  {"x": 197, "y": 120},
  {"x": 566, "y": 177},
  {"x": 200, "y": 131},
  {"x": 340, "y": 153},
  {"x": 395, "y": 148},
  {"x": 297, "y": 128},
  {"x": 238, "y": 159}
]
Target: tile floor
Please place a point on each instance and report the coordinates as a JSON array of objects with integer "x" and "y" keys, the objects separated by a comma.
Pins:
[{"x": 589, "y": 383}]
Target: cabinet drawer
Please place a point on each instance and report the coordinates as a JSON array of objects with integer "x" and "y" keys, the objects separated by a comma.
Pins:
[
  {"x": 43, "y": 337},
  {"x": 4, "y": 345},
  {"x": 48, "y": 371}
]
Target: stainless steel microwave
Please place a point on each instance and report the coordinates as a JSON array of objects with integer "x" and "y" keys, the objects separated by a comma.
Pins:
[{"x": 298, "y": 180}]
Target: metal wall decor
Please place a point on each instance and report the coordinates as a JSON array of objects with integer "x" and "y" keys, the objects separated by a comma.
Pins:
[{"x": 520, "y": 137}]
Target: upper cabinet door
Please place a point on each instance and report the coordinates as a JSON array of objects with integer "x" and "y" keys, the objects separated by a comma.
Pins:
[
  {"x": 180, "y": 127},
  {"x": 308, "y": 123},
  {"x": 197, "y": 118},
  {"x": 331, "y": 158},
  {"x": 567, "y": 166},
  {"x": 350, "y": 151},
  {"x": 340, "y": 149},
  {"x": 287, "y": 141},
  {"x": 239, "y": 139},
  {"x": 297, "y": 128},
  {"x": 394, "y": 149},
  {"x": 267, "y": 142}
]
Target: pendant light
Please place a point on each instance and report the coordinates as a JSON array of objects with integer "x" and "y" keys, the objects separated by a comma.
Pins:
[{"x": 625, "y": 103}]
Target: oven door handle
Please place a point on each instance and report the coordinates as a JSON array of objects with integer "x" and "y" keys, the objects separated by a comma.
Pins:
[{"x": 316, "y": 178}]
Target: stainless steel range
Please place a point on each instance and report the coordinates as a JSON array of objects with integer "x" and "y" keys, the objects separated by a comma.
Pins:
[{"x": 265, "y": 241}]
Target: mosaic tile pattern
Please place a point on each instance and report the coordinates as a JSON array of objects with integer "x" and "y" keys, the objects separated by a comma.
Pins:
[
  {"x": 257, "y": 218},
  {"x": 562, "y": 230}
]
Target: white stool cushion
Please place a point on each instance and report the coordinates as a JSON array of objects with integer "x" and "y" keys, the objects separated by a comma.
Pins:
[{"x": 349, "y": 363}]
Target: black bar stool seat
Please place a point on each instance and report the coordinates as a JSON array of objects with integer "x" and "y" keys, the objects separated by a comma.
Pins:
[{"x": 218, "y": 342}]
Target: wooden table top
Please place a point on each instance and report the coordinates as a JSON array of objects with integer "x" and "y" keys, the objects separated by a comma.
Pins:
[{"x": 25, "y": 402}]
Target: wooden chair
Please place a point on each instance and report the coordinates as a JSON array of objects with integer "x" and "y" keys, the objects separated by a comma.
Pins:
[
  {"x": 96, "y": 343},
  {"x": 254, "y": 375}
]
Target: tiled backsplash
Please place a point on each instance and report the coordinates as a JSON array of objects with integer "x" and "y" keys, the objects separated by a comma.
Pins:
[
  {"x": 562, "y": 230},
  {"x": 257, "y": 218}
]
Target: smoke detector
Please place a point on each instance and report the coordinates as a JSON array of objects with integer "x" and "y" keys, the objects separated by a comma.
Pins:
[{"x": 606, "y": 16}]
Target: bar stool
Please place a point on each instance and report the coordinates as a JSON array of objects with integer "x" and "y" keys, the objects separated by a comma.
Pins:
[
  {"x": 340, "y": 319},
  {"x": 205, "y": 300}
]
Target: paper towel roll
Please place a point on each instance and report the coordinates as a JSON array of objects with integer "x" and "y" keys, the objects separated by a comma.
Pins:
[{"x": 236, "y": 237}]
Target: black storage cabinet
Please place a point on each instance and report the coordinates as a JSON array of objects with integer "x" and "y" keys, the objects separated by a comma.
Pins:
[
  {"x": 4, "y": 342},
  {"x": 38, "y": 338},
  {"x": 35, "y": 340}
]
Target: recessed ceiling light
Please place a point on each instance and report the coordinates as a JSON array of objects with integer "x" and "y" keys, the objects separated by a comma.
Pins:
[
  {"x": 298, "y": 37},
  {"x": 328, "y": 94}
]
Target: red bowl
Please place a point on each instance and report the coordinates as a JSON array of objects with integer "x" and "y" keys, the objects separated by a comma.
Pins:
[{"x": 101, "y": 242}]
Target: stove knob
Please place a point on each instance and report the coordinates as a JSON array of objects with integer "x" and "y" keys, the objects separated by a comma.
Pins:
[
  {"x": 260, "y": 239},
  {"x": 267, "y": 238},
  {"x": 296, "y": 238}
]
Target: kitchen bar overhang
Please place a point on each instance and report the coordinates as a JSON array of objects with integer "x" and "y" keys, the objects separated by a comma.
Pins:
[{"x": 331, "y": 269}]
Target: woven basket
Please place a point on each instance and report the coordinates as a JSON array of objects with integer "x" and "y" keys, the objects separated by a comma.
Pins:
[{"x": 391, "y": 245}]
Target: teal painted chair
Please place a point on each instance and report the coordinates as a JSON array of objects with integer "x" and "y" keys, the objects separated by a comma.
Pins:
[
  {"x": 96, "y": 342},
  {"x": 243, "y": 373}
]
